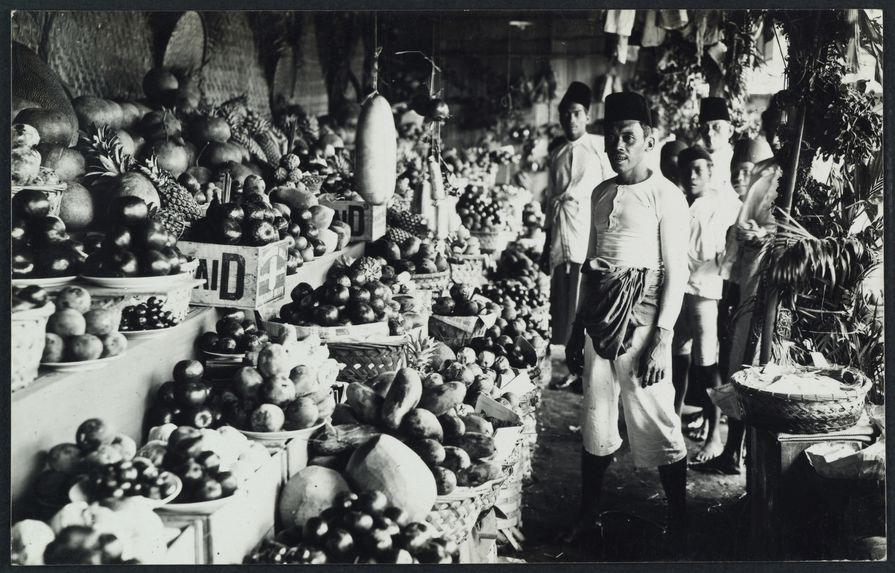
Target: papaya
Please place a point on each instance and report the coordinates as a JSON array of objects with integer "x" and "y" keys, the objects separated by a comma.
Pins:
[
  {"x": 385, "y": 464},
  {"x": 481, "y": 385},
  {"x": 308, "y": 493},
  {"x": 445, "y": 480},
  {"x": 331, "y": 440},
  {"x": 478, "y": 446},
  {"x": 475, "y": 423},
  {"x": 376, "y": 148},
  {"x": 456, "y": 459},
  {"x": 365, "y": 402},
  {"x": 343, "y": 414},
  {"x": 420, "y": 424},
  {"x": 382, "y": 383},
  {"x": 430, "y": 451},
  {"x": 478, "y": 473},
  {"x": 403, "y": 396},
  {"x": 452, "y": 426},
  {"x": 440, "y": 399}
]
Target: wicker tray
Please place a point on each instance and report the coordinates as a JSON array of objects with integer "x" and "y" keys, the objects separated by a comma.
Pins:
[
  {"x": 468, "y": 269},
  {"x": 367, "y": 359},
  {"x": 432, "y": 281},
  {"x": 804, "y": 413},
  {"x": 454, "y": 516},
  {"x": 28, "y": 336}
]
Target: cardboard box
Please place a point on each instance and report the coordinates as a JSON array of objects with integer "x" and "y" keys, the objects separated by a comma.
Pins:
[
  {"x": 237, "y": 276},
  {"x": 367, "y": 221}
]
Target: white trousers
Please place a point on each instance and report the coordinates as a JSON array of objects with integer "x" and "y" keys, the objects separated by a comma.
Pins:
[{"x": 653, "y": 426}]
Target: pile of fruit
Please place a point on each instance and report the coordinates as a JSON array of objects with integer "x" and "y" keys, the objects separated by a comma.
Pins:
[
  {"x": 313, "y": 232},
  {"x": 461, "y": 242},
  {"x": 463, "y": 302},
  {"x": 96, "y": 447},
  {"x": 76, "y": 333},
  {"x": 482, "y": 372},
  {"x": 41, "y": 246},
  {"x": 358, "y": 528},
  {"x": 135, "y": 246},
  {"x": 252, "y": 223},
  {"x": 524, "y": 309},
  {"x": 83, "y": 545},
  {"x": 149, "y": 315},
  {"x": 355, "y": 294},
  {"x": 25, "y": 158},
  {"x": 234, "y": 334},
  {"x": 412, "y": 255},
  {"x": 275, "y": 396},
  {"x": 533, "y": 219},
  {"x": 402, "y": 224},
  {"x": 186, "y": 400},
  {"x": 129, "y": 478},
  {"x": 27, "y": 298},
  {"x": 480, "y": 212}
]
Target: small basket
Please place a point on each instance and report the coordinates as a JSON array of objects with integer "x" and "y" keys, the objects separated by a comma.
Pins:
[
  {"x": 804, "y": 413},
  {"x": 468, "y": 269},
  {"x": 367, "y": 359},
  {"x": 455, "y": 515},
  {"x": 493, "y": 241},
  {"x": 28, "y": 335},
  {"x": 53, "y": 192},
  {"x": 432, "y": 281},
  {"x": 453, "y": 336}
]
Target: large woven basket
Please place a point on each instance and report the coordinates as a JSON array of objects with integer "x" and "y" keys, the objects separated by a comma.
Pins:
[
  {"x": 53, "y": 192},
  {"x": 28, "y": 335},
  {"x": 367, "y": 359},
  {"x": 432, "y": 281},
  {"x": 454, "y": 516},
  {"x": 468, "y": 269},
  {"x": 493, "y": 241},
  {"x": 804, "y": 413}
]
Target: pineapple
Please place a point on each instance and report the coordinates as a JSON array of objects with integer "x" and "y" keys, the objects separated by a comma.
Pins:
[
  {"x": 170, "y": 219},
  {"x": 407, "y": 221},
  {"x": 173, "y": 195},
  {"x": 370, "y": 267},
  {"x": 397, "y": 235},
  {"x": 420, "y": 354},
  {"x": 103, "y": 153},
  {"x": 241, "y": 136}
]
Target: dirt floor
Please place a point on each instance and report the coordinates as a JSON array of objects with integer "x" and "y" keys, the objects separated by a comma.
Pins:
[{"x": 551, "y": 498}]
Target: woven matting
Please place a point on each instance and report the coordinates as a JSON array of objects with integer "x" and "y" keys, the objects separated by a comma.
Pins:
[
  {"x": 186, "y": 46},
  {"x": 26, "y": 28},
  {"x": 105, "y": 54},
  {"x": 27, "y": 333},
  {"x": 234, "y": 67}
]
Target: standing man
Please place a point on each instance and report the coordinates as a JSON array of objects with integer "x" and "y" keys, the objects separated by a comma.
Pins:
[
  {"x": 712, "y": 212},
  {"x": 747, "y": 153},
  {"x": 716, "y": 130},
  {"x": 575, "y": 168},
  {"x": 632, "y": 286}
]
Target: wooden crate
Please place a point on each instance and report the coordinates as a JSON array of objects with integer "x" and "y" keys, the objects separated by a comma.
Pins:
[
  {"x": 186, "y": 548},
  {"x": 236, "y": 276},
  {"x": 367, "y": 221},
  {"x": 229, "y": 534}
]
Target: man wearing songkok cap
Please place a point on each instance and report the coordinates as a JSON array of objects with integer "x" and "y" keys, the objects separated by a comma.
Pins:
[
  {"x": 575, "y": 168},
  {"x": 716, "y": 130},
  {"x": 712, "y": 212},
  {"x": 631, "y": 291},
  {"x": 747, "y": 153}
]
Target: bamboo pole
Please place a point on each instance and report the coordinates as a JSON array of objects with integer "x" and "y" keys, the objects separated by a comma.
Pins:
[{"x": 773, "y": 294}]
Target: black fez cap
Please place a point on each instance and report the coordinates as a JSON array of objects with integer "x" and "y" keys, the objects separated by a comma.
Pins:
[
  {"x": 713, "y": 108},
  {"x": 692, "y": 154},
  {"x": 625, "y": 106},
  {"x": 672, "y": 149},
  {"x": 577, "y": 93}
]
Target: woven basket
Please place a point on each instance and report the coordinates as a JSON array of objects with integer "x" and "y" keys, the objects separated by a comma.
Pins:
[
  {"x": 432, "y": 281},
  {"x": 452, "y": 336},
  {"x": 234, "y": 66},
  {"x": 493, "y": 241},
  {"x": 28, "y": 335},
  {"x": 53, "y": 192},
  {"x": 509, "y": 498},
  {"x": 468, "y": 269},
  {"x": 804, "y": 413},
  {"x": 454, "y": 516},
  {"x": 367, "y": 359}
]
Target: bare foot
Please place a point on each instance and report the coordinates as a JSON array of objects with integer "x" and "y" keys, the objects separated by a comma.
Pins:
[
  {"x": 711, "y": 449},
  {"x": 722, "y": 465},
  {"x": 697, "y": 430}
]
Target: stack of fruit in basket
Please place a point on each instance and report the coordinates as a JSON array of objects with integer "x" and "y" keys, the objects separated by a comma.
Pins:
[
  {"x": 354, "y": 294},
  {"x": 480, "y": 212},
  {"x": 26, "y": 160},
  {"x": 461, "y": 242},
  {"x": 234, "y": 334},
  {"x": 276, "y": 395},
  {"x": 96, "y": 447},
  {"x": 149, "y": 315},
  {"x": 75, "y": 333},
  {"x": 313, "y": 232},
  {"x": 482, "y": 372},
  {"x": 427, "y": 414},
  {"x": 35, "y": 543},
  {"x": 358, "y": 528},
  {"x": 135, "y": 246},
  {"x": 503, "y": 339},
  {"x": 186, "y": 400},
  {"x": 520, "y": 303},
  {"x": 41, "y": 246},
  {"x": 254, "y": 222},
  {"x": 412, "y": 255},
  {"x": 462, "y": 301}
]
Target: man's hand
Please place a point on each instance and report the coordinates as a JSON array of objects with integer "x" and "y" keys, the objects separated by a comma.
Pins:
[
  {"x": 544, "y": 262},
  {"x": 654, "y": 362},
  {"x": 575, "y": 351}
]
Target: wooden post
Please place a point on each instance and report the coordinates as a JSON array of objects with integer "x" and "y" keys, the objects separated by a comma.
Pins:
[{"x": 773, "y": 295}]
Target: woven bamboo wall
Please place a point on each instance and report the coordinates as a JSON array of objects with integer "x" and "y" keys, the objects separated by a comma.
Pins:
[{"x": 234, "y": 67}]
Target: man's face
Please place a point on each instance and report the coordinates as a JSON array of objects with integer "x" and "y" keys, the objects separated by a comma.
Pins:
[
  {"x": 695, "y": 176},
  {"x": 626, "y": 145},
  {"x": 740, "y": 173},
  {"x": 716, "y": 134},
  {"x": 773, "y": 132},
  {"x": 574, "y": 118}
]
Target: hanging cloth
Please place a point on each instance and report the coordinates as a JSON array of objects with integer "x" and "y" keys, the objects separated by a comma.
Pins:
[
  {"x": 653, "y": 35},
  {"x": 673, "y": 19},
  {"x": 620, "y": 23}
]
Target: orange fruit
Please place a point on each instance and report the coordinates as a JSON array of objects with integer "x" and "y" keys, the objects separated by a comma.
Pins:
[{"x": 67, "y": 322}]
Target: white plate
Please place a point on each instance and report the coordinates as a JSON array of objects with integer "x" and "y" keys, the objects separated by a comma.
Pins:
[
  {"x": 134, "y": 283},
  {"x": 83, "y": 366},
  {"x": 284, "y": 435},
  {"x": 47, "y": 282},
  {"x": 219, "y": 356},
  {"x": 147, "y": 333},
  {"x": 199, "y": 506},
  {"x": 77, "y": 492}
]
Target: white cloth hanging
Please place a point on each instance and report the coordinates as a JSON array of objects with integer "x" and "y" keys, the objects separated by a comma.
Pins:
[{"x": 653, "y": 35}]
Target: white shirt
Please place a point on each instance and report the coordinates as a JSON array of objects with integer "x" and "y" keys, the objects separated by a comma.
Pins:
[
  {"x": 576, "y": 168},
  {"x": 721, "y": 159},
  {"x": 643, "y": 226},
  {"x": 710, "y": 217}
]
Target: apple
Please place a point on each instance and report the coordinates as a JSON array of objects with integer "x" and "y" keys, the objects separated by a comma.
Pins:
[
  {"x": 247, "y": 383},
  {"x": 278, "y": 390},
  {"x": 188, "y": 371}
]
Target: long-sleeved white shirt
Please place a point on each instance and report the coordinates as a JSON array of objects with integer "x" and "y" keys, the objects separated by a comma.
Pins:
[
  {"x": 576, "y": 168},
  {"x": 644, "y": 226},
  {"x": 711, "y": 215}
]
